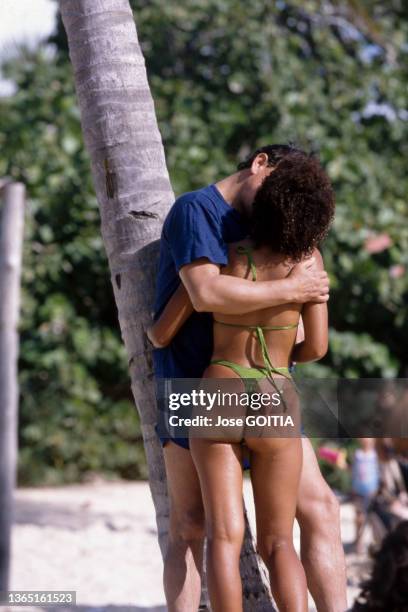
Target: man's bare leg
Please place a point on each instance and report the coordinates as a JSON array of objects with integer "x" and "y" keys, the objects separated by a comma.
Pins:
[
  {"x": 321, "y": 548},
  {"x": 184, "y": 558}
]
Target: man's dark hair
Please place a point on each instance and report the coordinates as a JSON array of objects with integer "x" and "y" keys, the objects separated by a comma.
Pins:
[
  {"x": 387, "y": 588},
  {"x": 274, "y": 152},
  {"x": 294, "y": 207}
]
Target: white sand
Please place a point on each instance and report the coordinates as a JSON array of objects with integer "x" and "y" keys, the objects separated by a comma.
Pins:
[{"x": 98, "y": 540}]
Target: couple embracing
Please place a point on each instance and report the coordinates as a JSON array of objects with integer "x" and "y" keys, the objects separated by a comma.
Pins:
[{"x": 239, "y": 275}]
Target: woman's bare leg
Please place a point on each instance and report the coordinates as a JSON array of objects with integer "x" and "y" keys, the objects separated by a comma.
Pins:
[
  {"x": 275, "y": 473},
  {"x": 219, "y": 466}
]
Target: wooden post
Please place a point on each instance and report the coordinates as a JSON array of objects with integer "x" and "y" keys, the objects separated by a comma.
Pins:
[{"x": 11, "y": 240}]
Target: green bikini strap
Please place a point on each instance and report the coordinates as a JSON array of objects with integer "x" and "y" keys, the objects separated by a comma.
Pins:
[
  {"x": 270, "y": 367},
  {"x": 265, "y": 353},
  {"x": 235, "y": 367},
  {"x": 264, "y": 327},
  {"x": 243, "y": 250}
]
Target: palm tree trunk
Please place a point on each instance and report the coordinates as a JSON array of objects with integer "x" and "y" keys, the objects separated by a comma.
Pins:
[{"x": 134, "y": 195}]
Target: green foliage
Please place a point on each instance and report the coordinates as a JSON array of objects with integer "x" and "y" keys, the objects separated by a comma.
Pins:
[
  {"x": 336, "y": 478},
  {"x": 226, "y": 76},
  {"x": 76, "y": 413}
]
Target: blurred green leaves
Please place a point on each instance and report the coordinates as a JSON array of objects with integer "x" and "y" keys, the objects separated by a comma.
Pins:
[{"x": 76, "y": 414}]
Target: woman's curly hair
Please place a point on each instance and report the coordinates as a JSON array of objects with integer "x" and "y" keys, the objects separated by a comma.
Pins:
[
  {"x": 294, "y": 207},
  {"x": 387, "y": 589}
]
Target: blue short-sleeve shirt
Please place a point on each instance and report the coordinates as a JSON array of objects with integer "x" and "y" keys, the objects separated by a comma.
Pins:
[{"x": 200, "y": 224}]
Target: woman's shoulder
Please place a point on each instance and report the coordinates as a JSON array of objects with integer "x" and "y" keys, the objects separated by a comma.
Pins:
[
  {"x": 267, "y": 262},
  {"x": 243, "y": 258},
  {"x": 239, "y": 255},
  {"x": 240, "y": 250},
  {"x": 246, "y": 243}
]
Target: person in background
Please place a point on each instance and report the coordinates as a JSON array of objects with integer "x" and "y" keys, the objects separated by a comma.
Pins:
[
  {"x": 365, "y": 480},
  {"x": 391, "y": 503},
  {"x": 387, "y": 588},
  {"x": 401, "y": 448}
]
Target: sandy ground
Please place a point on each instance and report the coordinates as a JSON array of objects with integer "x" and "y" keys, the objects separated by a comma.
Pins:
[{"x": 100, "y": 541}]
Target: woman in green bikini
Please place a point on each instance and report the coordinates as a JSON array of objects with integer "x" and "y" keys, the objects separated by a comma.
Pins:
[{"x": 291, "y": 214}]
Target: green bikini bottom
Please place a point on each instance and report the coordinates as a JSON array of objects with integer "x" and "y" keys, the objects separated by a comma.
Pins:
[
  {"x": 249, "y": 375},
  {"x": 244, "y": 372}
]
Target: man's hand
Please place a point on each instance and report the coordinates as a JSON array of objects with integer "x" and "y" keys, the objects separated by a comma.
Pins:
[{"x": 310, "y": 282}]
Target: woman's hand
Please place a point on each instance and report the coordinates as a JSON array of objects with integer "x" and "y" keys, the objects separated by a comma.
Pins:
[
  {"x": 176, "y": 312},
  {"x": 153, "y": 338}
]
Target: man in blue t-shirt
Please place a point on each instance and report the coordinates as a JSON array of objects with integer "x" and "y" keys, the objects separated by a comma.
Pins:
[{"x": 194, "y": 243}]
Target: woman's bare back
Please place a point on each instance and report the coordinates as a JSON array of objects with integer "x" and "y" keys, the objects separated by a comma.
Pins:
[{"x": 239, "y": 344}]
